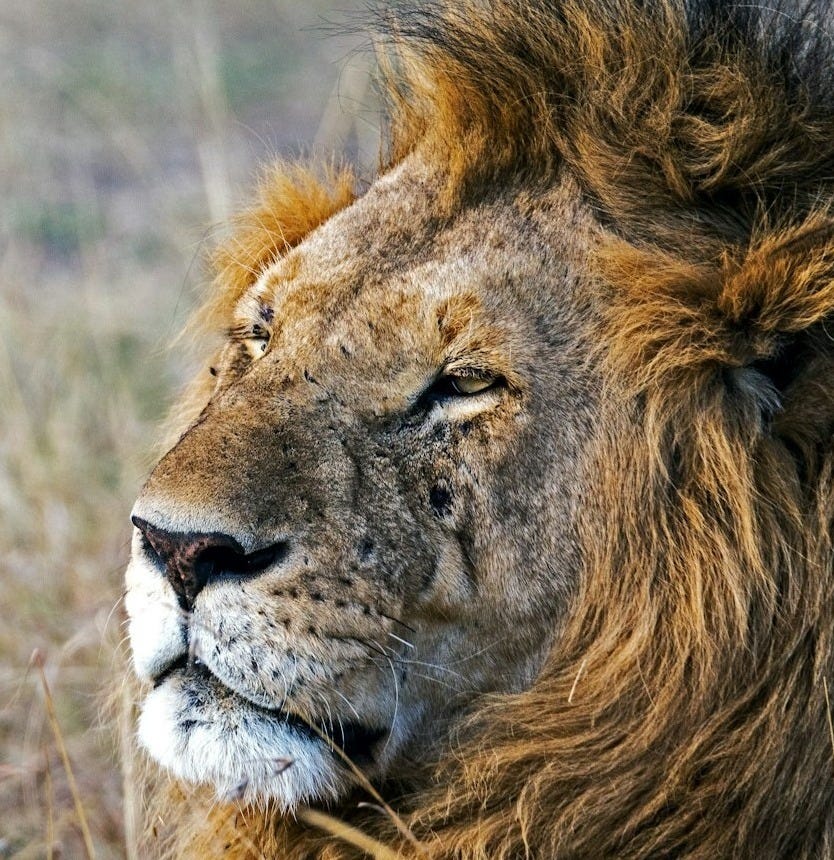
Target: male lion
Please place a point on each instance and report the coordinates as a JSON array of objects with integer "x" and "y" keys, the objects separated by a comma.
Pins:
[{"x": 513, "y": 477}]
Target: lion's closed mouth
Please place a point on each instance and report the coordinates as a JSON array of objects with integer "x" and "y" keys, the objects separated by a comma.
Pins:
[
  {"x": 162, "y": 677},
  {"x": 355, "y": 740}
]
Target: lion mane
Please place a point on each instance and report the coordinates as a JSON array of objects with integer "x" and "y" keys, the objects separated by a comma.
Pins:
[{"x": 684, "y": 709}]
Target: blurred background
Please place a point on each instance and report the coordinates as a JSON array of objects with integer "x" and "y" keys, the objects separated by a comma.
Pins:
[{"x": 128, "y": 132}]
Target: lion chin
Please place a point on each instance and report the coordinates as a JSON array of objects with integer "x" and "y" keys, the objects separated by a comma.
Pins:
[{"x": 206, "y": 734}]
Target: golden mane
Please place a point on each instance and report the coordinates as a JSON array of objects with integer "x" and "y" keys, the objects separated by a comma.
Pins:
[
  {"x": 684, "y": 712},
  {"x": 674, "y": 115},
  {"x": 292, "y": 201}
]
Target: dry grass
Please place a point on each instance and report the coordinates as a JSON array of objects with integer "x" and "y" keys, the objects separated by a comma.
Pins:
[{"x": 129, "y": 129}]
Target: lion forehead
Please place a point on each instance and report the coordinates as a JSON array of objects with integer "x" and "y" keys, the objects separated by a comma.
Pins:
[{"x": 405, "y": 308}]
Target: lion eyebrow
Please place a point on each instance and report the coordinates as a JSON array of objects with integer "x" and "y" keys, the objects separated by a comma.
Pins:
[{"x": 254, "y": 308}]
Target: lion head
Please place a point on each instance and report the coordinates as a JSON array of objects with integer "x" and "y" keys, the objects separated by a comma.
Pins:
[{"x": 510, "y": 484}]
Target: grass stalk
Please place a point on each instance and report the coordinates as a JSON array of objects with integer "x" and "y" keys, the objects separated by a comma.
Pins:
[
  {"x": 38, "y": 662},
  {"x": 50, "y": 807},
  {"x": 127, "y": 758},
  {"x": 347, "y": 833},
  {"x": 366, "y": 784}
]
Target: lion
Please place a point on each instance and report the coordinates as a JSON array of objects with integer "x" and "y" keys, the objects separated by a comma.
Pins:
[{"x": 499, "y": 523}]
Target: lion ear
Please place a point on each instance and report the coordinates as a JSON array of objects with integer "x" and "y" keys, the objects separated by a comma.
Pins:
[
  {"x": 775, "y": 304},
  {"x": 292, "y": 201},
  {"x": 760, "y": 324}
]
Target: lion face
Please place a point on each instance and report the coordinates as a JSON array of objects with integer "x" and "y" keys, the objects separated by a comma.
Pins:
[{"x": 372, "y": 520}]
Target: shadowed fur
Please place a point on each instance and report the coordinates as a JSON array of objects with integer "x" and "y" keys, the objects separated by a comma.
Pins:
[{"x": 680, "y": 709}]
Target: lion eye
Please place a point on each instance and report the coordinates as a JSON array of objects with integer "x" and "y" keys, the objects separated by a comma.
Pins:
[
  {"x": 455, "y": 385},
  {"x": 471, "y": 384},
  {"x": 256, "y": 345},
  {"x": 255, "y": 338}
]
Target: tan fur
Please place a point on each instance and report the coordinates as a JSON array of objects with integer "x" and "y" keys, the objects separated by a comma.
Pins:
[
  {"x": 292, "y": 200},
  {"x": 682, "y": 709}
]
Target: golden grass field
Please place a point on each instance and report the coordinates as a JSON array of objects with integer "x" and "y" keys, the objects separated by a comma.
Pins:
[{"x": 129, "y": 132}]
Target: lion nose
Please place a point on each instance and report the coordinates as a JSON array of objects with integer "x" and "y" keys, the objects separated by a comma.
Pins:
[{"x": 192, "y": 559}]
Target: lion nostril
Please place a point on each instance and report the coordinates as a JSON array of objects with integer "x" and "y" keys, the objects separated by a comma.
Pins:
[
  {"x": 264, "y": 558},
  {"x": 190, "y": 560},
  {"x": 151, "y": 554},
  {"x": 223, "y": 559},
  {"x": 204, "y": 567}
]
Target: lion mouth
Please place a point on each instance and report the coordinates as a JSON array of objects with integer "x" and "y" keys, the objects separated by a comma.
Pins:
[
  {"x": 354, "y": 739},
  {"x": 169, "y": 670}
]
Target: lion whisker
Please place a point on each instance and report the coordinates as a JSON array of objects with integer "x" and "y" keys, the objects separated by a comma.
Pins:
[
  {"x": 328, "y": 711},
  {"x": 112, "y": 612},
  {"x": 345, "y": 700},
  {"x": 385, "y": 649},
  {"x": 396, "y": 621},
  {"x": 399, "y": 660},
  {"x": 396, "y": 704},
  {"x": 406, "y": 662},
  {"x": 441, "y": 682},
  {"x": 400, "y": 639}
]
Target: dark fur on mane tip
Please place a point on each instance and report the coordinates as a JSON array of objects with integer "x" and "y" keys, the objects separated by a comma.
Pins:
[{"x": 712, "y": 113}]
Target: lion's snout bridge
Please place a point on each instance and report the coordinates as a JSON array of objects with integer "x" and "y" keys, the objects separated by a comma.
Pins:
[{"x": 192, "y": 559}]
